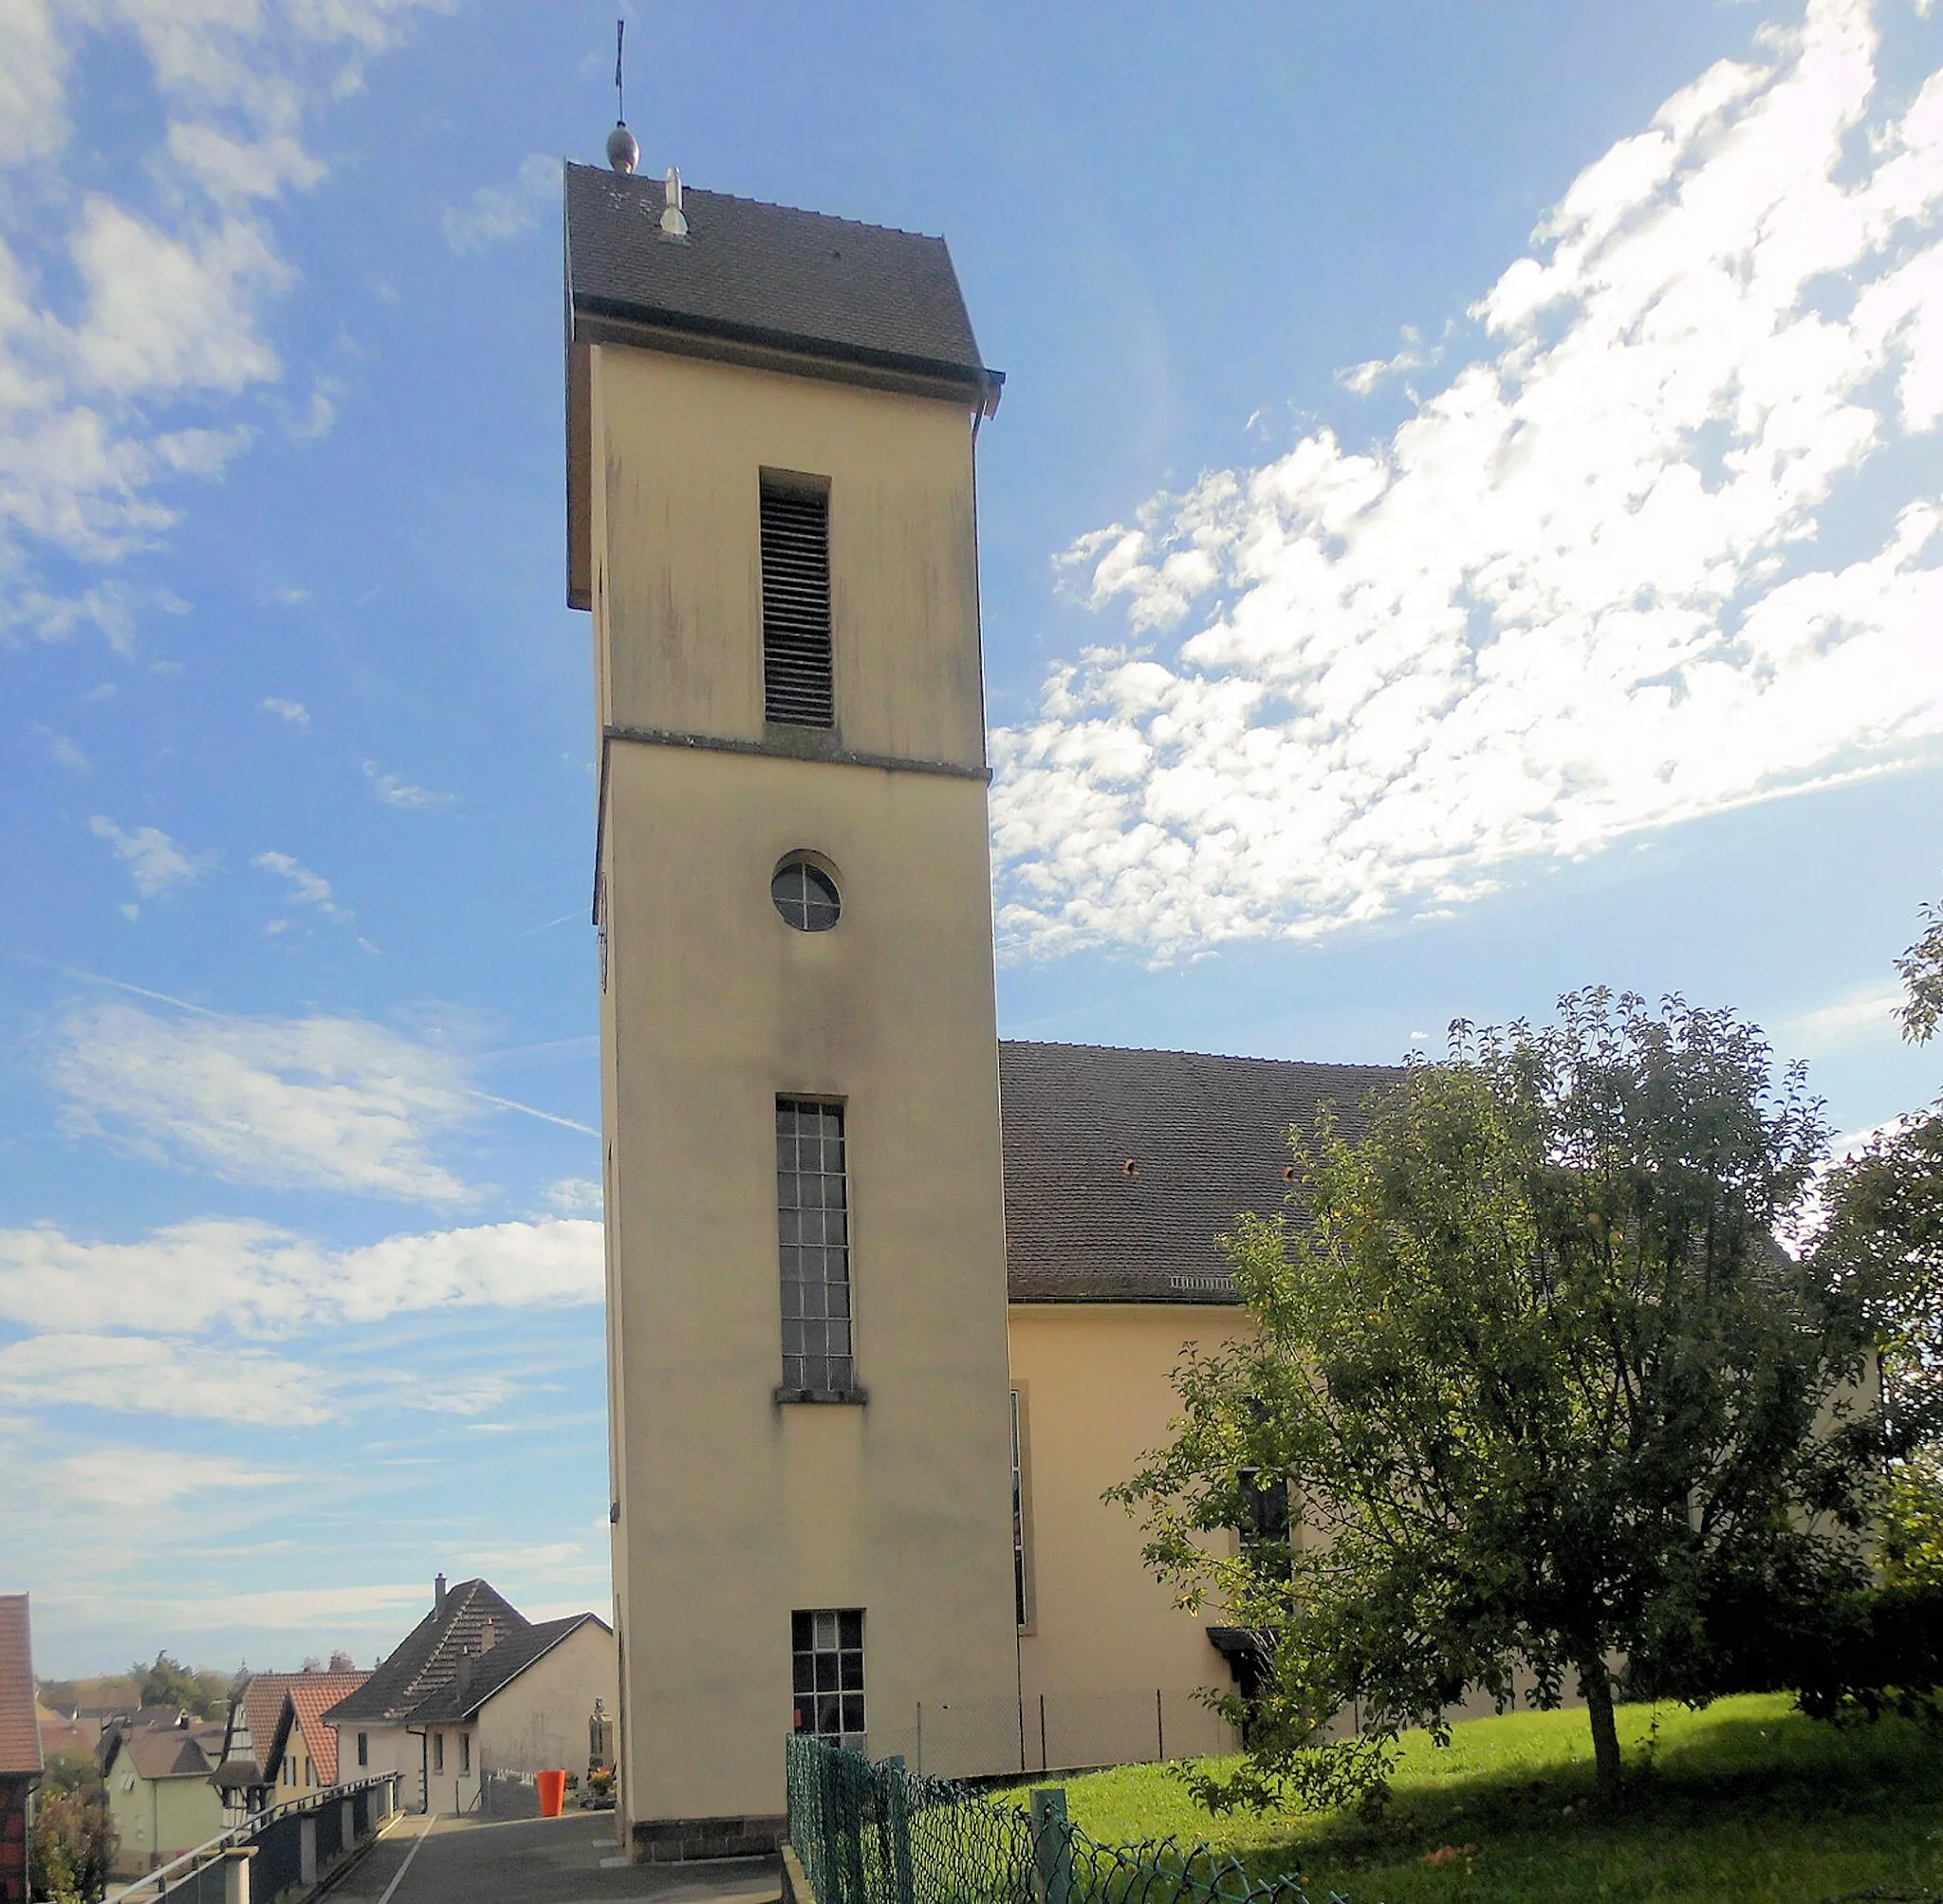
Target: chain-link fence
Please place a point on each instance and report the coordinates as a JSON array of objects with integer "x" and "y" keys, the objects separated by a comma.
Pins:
[
  {"x": 879, "y": 1834},
  {"x": 1050, "y": 1731}
]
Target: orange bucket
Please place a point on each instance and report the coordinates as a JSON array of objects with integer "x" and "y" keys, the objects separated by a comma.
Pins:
[{"x": 552, "y": 1794}]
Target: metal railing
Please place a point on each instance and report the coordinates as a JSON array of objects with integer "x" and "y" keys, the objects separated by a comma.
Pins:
[
  {"x": 877, "y": 1834},
  {"x": 509, "y": 1794},
  {"x": 296, "y": 1844}
]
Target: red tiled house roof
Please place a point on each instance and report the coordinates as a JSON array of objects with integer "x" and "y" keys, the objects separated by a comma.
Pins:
[
  {"x": 20, "y": 1732},
  {"x": 306, "y": 1697}
]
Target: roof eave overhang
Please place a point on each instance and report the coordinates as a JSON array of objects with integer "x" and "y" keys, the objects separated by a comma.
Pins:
[
  {"x": 1029, "y": 1295},
  {"x": 593, "y": 320}
]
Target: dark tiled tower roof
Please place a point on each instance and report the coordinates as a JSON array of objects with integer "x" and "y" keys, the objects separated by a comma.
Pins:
[
  {"x": 1207, "y": 1137},
  {"x": 757, "y": 285},
  {"x": 767, "y": 275}
]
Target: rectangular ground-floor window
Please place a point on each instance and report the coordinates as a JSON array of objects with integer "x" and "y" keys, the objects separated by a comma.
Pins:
[
  {"x": 826, "y": 1649},
  {"x": 439, "y": 1751},
  {"x": 465, "y": 1751}
]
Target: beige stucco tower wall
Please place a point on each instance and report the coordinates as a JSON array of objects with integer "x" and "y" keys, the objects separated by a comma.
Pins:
[{"x": 733, "y": 1508}]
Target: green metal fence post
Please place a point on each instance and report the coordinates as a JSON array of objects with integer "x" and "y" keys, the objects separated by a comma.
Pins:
[
  {"x": 854, "y": 1770},
  {"x": 1052, "y": 1847},
  {"x": 896, "y": 1828}
]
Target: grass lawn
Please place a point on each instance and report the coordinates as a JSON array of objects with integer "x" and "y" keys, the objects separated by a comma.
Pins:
[{"x": 1745, "y": 1801}]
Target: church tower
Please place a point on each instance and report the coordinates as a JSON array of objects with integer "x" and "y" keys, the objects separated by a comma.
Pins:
[{"x": 771, "y": 417}]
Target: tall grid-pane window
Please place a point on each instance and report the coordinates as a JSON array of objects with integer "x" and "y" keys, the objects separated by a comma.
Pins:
[
  {"x": 796, "y": 604},
  {"x": 827, "y": 1665},
  {"x": 1267, "y": 1529},
  {"x": 813, "y": 1234}
]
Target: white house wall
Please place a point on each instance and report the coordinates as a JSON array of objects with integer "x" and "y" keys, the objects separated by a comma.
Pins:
[{"x": 539, "y": 1723}]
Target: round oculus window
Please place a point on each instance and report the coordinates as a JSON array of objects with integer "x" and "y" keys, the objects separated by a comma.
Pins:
[{"x": 805, "y": 895}]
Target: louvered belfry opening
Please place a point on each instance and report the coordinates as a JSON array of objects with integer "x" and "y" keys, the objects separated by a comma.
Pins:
[{"x": 796, "y": 604}]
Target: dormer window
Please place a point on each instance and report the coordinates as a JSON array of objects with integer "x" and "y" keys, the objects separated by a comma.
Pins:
[{"x": 797, "y": 689}]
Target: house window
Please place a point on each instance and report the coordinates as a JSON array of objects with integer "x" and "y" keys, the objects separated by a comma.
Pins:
[
  {"x": 363, "y": 1749},
  {"x": 465, "y": 1751},
  {"x": 813, "y": 1236},
  {"x": 796, "y": 602},
  {"x": 1018, "y": 1517},
  {"x": 827, "y": 1675},
  {"x": 439, "y": 1751}
]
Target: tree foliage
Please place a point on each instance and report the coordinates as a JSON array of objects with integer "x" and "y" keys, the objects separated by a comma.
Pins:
[
  {"x": 72, "y": 1847},
  {"x": 1886, "y": 1225},
  {"x": 71, "y": 1768},
  {"x": 168, "y": 1682},
  {"x": 1885, "y": 1222},
  {"x": 1543, "y": 1386},
  {"x": 1922, "y": 970}
]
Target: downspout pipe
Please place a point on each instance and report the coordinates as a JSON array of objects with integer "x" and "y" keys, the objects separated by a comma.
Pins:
[{"x": 424, "y": 1738}]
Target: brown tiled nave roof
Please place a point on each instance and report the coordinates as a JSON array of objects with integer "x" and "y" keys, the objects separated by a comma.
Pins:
[{"x": 1123, "y": 1167}]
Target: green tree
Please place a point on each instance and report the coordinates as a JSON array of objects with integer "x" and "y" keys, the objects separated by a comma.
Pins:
[
  {"x": 72, "y": 1847},
  {"x": 1885, "y": 1229},
  {"x": 1921, "y": 968},
  {"x": 1540, "y": 1384},
  {"x": 71, "y": 1769},
  {"x": 168, "y": 1682}
]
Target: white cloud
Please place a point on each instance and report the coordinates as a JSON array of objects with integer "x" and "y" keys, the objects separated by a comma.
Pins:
[
  {"x": 134, "y": 344},
  {"x": 1869, "y": 1017},
  {"x": 330, "y": 1103},
  {"x": 465, "y": 1395},
  {"x": 33, "y": 67},
  {"x": 396, "y": 791},
  {"x": 291, "y": 1609},
  {"x": 154, "y": 861},
  {"x": 256, "y": 1280},
  {"x": 1575, "y": 594},
  {"x": 168, "y": 313},
  {"x": 230, "y": 168},
  {"x": 573, "y": 1196},
  {"x": 64, "y": 751},
  {"x": 140, "y": 1374},
  {"x": 497, "y": 213},
  {"x": 293, "y": 711},
  {"x": 131, "y": 1478},
  {"x": 111, "y": 608},
  {"x": 1365, "y": 379},
  {"x": 307, "y": 888}
]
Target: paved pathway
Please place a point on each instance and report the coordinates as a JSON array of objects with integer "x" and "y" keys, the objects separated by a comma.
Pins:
[{"x": 565, "y": 1860}]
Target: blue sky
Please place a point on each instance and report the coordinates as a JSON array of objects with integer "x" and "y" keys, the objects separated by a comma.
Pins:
[{"x": 1464, "y": 523}]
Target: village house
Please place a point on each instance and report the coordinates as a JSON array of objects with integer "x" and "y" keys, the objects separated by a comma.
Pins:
[
  {"x": 475, "y": 1688},
  {"x": 275, "y": 1744},
  {"x": 163, "y": 1796}
]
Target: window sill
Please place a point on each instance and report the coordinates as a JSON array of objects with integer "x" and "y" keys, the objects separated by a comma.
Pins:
[{"x": 851, "y": 1397}]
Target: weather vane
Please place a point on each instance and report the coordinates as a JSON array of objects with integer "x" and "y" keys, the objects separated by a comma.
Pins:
[{"x": 623, "y": 151}]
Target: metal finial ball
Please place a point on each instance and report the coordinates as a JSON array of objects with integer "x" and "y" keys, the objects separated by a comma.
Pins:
[{"x": 623, "y": 149}]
